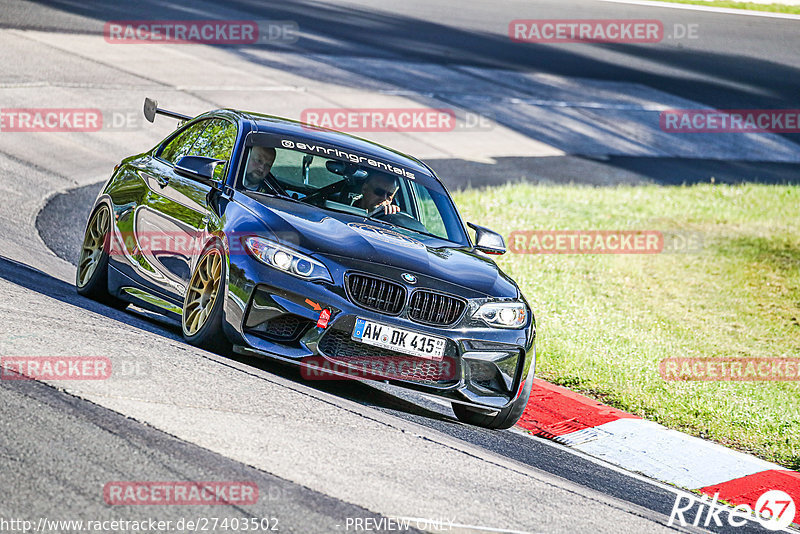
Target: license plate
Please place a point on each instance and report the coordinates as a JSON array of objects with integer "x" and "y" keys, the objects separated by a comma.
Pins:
[{"x": 399, "y": 339}]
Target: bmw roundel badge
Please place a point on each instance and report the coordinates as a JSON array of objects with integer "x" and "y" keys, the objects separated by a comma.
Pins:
[{"x": 410, "y": 278}]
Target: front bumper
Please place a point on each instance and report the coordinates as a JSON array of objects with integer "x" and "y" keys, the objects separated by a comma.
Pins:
[{"x": 482, "y": 367}]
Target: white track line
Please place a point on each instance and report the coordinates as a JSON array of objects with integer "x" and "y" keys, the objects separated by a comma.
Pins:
[{"x": 692, "y": 7}]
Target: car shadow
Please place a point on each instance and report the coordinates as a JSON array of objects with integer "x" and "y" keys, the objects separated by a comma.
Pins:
[{"x": 361, "y": 392}]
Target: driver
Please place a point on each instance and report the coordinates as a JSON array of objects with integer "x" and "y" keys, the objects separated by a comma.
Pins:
[
  {"x": 258, "y": 169},
  {"x": 378, "y": 190}
]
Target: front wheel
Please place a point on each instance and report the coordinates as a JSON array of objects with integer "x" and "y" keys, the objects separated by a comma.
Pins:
[
  {"x": 91, "y": 277},
  {"x": 505, "y": 418},
  {"x": 201, "y": 319}
]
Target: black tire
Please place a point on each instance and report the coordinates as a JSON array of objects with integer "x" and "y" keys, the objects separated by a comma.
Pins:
[
  {"x": 95, "y": 286},
  {"x": 505, "y": 418},
  {"x": 209, "y": 335}
]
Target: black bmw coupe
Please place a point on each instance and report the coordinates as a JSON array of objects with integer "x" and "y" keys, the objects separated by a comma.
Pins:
[{"x": 310, "y": 246}]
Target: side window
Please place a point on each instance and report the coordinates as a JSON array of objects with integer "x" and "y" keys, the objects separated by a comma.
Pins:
[
  {"x": 180, "y": 145},
  {"x": 429, "y": 214},
  {"x": 216, "y": 142}
]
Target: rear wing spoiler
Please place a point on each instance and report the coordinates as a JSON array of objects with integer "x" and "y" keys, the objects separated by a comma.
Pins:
[{"x": 151, "y": 109}]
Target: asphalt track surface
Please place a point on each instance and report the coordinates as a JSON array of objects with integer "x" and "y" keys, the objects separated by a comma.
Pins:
[{"x": 324, "y": 452}]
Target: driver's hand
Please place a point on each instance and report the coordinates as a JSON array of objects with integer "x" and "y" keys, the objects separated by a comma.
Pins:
[{"x": 388, "y": 207}]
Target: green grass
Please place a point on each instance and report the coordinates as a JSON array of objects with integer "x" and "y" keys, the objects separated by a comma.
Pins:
[
  {"x": 605, "y": 321},
  {"x": 774, "y": 8}
]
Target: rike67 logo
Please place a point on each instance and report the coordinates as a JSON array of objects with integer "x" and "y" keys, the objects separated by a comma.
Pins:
[{"x": 774, "y": 510}]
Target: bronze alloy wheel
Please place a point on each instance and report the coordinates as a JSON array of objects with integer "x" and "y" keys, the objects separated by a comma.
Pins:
[
  {"x": 93, "y": 245},
  {"x": 202, "y": 292}
]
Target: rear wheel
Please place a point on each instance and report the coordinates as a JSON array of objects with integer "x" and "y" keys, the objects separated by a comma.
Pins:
[
  {"x": 91, "y": 277},
  {"x": 505, "y": 418},
  {"x": 202, "y": 306}
]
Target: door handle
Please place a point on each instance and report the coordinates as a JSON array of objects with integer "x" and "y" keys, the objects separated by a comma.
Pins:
[{"x": 162, "y": 181}]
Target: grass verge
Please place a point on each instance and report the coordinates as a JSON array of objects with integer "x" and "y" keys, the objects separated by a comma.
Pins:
[
  {"x": 772, "y": 8},
  {"x": 606, "y": 321}
]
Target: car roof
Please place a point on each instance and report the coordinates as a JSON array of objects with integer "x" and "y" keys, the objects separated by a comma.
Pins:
[{"x": 281, "y": 126}]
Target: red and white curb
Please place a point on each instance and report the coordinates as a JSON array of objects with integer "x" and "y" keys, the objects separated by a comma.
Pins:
[{"x": 645, "y": 447}]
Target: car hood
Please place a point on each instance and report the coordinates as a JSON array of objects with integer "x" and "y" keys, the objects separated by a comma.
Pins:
[{"x": 355, "y": 242}]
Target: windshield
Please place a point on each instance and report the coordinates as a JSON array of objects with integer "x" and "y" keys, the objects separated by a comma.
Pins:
[{"x": 351, "y": 188}]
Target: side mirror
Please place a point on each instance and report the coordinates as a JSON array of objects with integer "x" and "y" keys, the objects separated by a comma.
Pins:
[
  {"x": 488, "y": 241},
  {"x": 200, "y": 168}
]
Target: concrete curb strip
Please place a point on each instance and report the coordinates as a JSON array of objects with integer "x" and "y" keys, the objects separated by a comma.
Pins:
[{"x": 645, "y": 447}]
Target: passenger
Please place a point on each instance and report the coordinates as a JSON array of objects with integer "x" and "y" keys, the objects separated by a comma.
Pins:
[{"x": 258, "y": 175}]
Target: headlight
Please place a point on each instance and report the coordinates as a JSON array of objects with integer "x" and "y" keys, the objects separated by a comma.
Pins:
[
  {"x": 503, "y": 314},
  {"x": 287, "y": 260}
]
